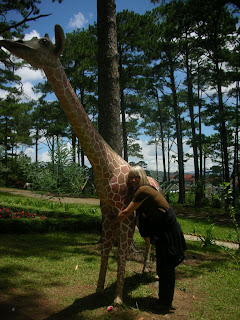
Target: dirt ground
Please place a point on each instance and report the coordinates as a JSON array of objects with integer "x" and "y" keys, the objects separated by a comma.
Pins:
[{"x": 39, "y": 308}]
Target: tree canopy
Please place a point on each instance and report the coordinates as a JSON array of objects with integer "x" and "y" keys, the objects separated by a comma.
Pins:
[{"x": 178, "y": 72}]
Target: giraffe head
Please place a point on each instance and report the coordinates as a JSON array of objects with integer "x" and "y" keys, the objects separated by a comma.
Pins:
[{"x": 40, "y": 53}]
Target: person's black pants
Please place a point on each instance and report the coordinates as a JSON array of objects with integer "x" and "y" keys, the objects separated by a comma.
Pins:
[
  {"x": 166, "y": 274},
  {"x": 166, "y": 286}
]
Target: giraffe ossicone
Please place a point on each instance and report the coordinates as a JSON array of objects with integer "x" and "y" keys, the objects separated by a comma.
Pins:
[{"x": 110, "y": 170}]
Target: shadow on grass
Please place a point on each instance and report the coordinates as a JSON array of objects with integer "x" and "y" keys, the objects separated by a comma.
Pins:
[
  {"x": 93, "y": 306},
  {"x": 46, "y": 245},
  {"x": 103, "y": 300},
  {"x": 202, "y": 260}
]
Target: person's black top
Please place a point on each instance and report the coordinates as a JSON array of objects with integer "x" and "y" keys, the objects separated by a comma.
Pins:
[{"x": 157, "y": 220}]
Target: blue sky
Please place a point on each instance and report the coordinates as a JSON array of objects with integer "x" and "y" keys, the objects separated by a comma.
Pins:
[{"x": 73, "y": 14}]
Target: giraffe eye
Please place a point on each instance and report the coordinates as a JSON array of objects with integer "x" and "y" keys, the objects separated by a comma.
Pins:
[{"x": 44, "y": 42}]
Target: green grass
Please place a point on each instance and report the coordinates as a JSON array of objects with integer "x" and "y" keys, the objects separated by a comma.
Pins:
[
  {"x": 55, "y": 216},
  {"x": 217, "y": 278},
  {"x": 57, "y": 273},
  {"x": 46, "y": 206},
  {"x": 58, "y": 209},
  {"x": 200, "y": 227}
]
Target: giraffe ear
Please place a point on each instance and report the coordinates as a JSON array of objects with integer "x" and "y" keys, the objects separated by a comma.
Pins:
[{"x": 59, "y": 40}]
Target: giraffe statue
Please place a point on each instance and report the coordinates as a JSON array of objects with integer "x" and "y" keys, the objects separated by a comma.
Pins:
[{"x": 110, "y": 170}]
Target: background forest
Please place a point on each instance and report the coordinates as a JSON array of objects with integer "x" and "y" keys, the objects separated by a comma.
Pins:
[{"x": 178, "y": 76}]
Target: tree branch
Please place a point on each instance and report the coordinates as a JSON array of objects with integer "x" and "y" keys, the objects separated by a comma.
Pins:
[{"x": 23, "y": 21}]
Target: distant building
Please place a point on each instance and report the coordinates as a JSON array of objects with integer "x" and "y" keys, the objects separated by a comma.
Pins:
[{"x": 189, "y": 179}]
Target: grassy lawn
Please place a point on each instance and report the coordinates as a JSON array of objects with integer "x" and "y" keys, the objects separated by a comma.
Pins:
[
  {"x": 84, "y": 212},
  {"x": 53, "y": 275},
  {"x": 206, "y": 227}
]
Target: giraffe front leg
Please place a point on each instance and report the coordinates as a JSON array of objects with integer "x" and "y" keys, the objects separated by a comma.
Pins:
[
  {"x": 103, "y": 271},
  {"x": 106, "y": 248},
  {"x": 108, "y": 236},
  {"x": 125, "y": 242}
]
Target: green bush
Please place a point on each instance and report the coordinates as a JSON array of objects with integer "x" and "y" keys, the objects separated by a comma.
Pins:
[
  {"x": 17, "y": 219},
  {"x": 59, "y": 176}
]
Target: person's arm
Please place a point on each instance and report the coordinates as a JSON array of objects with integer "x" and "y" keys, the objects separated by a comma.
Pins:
[{"x": 124, "y": 214}]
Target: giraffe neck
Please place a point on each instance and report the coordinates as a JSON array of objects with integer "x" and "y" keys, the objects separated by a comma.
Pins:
[{"x": 102, "y": 158}]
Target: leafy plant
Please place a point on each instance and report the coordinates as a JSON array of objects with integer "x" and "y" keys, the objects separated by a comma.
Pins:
[
  {"x": 61, "y": 175},
  {"x": 208, "y": 238},
  {"x": 228, "y": 196}
]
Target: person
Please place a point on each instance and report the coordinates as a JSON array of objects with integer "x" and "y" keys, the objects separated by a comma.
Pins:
[{"x": 157, "y": 220}]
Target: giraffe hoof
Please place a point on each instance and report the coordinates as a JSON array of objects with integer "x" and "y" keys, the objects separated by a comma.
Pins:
[{"x": 118, "y": 301}]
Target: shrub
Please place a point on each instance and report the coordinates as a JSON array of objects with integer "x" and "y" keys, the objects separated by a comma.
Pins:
[
  {"x": 6, "y": 213},
  {"x": 27, "y": 222}
]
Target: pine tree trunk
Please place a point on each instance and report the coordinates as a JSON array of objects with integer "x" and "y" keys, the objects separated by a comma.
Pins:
[
  {"x": 124, "y": 128},
  {"x": 162, "y": 141},
  {"x": 74, "y": 140},
  {"x": 108, "y": 77},
  {"x": 223, "y": 131},
  {"x": 235, "y": 174},
  {"x": 36, "y": 146},
  {"x": 181, "y": 198},
  {"x": 198, "y": 193}
]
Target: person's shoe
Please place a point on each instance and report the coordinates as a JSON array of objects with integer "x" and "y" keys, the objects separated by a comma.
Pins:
[
  {"x": 171, "y": 307},
  {"x": 162, "y": 308}
]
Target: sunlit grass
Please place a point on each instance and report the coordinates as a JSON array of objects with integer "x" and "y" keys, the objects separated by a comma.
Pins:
[
  {"x": 62, "y": 268},
  {"x": 50, "y": 208},
  {"x": 197, "y": 226},
  {"x": 218, "y": 280},
  {"x": 46, "y": 206}
]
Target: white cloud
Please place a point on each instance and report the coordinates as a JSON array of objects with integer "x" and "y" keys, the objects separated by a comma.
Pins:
[
  {"x": 29, "y": 77},
  {"x": 44, "y": 157},
  {"x": 32, "y": 34},
  {"x": 3, "y": 94},
  {"x": 78, "y": 21},
  {"x": 149, "y": 154},
  {"x": 30, "y": 152},
  {"x": 28, "y": 74},
  {"x": 28, "y": 93}
]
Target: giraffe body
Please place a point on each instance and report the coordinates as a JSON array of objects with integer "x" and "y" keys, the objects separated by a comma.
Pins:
[{"x": 110, "y": 170}]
